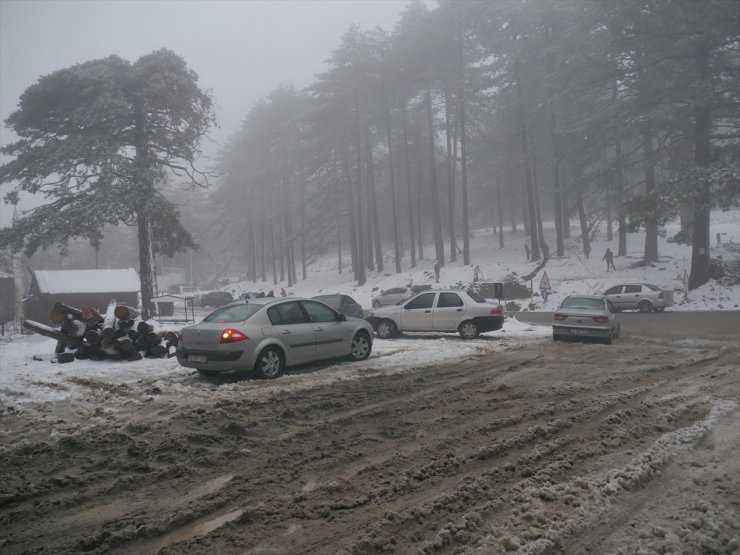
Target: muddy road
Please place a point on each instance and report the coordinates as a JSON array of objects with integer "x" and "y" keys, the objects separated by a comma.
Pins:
[{"x": 528, "y": 447}]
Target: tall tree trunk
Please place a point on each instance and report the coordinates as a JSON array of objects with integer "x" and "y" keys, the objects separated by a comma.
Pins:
[
  {"x": 556, "y": 184},
  {"x": 500, "y": 213},
  {"x": 621, "y": 214},
  {"x": 528, "y": 181},
  {"x": 538, "y": 210},
  {"x": 146, "y": 264},
  {"x": 651, "y": 225},
  {"x": 700, "y": 238},
  {"x": 419, "y": 199},
  {"x": 451, "y": 155},
  {"x": 144, "y": 227},
  {"x": 463, "y": 157},
  {"x": 361, "y": 237},
  {"x": 586, "y": 241},
  {"x": 407, "y": 165},
  {"x": 373, "y": 201},
  {"x": 434, "y": 189},
  {"x": 394, "y": 194},
  {"x": 358, "y": 267}
]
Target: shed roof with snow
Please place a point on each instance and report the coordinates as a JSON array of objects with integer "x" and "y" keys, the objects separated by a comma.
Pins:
[{"x": 55, "y": 282}]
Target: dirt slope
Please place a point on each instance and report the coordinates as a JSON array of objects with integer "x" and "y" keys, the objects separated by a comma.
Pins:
[{"x": 542, "y": 448}]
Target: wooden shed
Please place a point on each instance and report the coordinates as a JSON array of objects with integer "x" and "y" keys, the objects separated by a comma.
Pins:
[{"x": 80, "y": 288}]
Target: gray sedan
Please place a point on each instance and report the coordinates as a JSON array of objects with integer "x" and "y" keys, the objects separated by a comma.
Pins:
[
  {"x": 269, "y": 334},
  {"x": 585, "y": 316},
  {"x": 639, "y": 296}
]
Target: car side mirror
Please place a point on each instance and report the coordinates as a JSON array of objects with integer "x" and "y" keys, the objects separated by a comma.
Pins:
[{"x": 341, "y": 317}]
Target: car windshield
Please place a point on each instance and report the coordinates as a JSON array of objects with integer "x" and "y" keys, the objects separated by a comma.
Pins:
[
  {"x": 233, "y": 313},
  {"x": 581, "y": 303},
  {"x": 476, "y": 297},
  {"x": 333, "y": 301}
]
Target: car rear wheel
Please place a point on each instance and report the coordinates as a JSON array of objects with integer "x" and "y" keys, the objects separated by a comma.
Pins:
[
  {"x": 469, "y": 330},
  {"x": 270, "y": 364},
  {"x": 386, "y": 329},
  {"x": 361, "y": 346},
  {"x": 644, "y": 306}
]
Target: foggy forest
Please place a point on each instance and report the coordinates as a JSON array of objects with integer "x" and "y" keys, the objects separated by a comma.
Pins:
[{"x": 616, "y": 115}]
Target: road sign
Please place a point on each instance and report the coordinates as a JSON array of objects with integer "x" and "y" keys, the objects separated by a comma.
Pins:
[{"x": 545, "y": 283}]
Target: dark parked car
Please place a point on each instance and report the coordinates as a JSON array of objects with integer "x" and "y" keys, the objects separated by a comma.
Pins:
[
  {"x": 216, "y": 298},
  {"x": 269, "y": 334},
  {"x": 342, "y": 303}
]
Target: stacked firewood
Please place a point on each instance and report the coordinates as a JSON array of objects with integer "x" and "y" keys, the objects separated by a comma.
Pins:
[{"x": 119, "y": 334}]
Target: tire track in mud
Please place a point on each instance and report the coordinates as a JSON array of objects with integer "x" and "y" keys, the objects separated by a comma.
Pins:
[{"x": 441, "y": 459}]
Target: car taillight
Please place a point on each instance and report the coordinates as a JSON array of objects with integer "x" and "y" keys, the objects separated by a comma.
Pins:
[
  {"x": 496, "y": 310},
  {"x": 601, "y": 319},
  {"x": 231, "y": 336},
  {"x": 559, "y": 316}
]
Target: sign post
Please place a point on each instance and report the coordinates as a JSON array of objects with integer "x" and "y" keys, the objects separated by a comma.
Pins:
[{"x": 545, "y": 288}]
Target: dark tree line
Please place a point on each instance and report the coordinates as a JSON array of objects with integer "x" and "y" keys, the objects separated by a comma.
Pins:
[{"x": 620, "y": 115}]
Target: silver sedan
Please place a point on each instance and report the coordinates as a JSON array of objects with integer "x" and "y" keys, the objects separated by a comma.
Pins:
[
  {"x": 585, "y": 316},
  {"x": 269, "y": 334}
]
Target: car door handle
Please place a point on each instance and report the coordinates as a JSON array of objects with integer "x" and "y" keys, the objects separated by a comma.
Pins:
[
  {"x": 427, "y": 311},
  {"x": 285, "y": 332},
  {"x": 459, "y": 310},
  {"x": 319, "y": 329}
]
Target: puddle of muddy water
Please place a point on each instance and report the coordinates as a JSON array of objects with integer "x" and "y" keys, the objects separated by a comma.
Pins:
[{"x": 200, "y": 527}]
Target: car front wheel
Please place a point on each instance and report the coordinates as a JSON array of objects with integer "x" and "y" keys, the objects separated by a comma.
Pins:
[
  {"x": 386, "y": 329},
  {"x": 270, "y": 364},
  {"x": 469, "y": 330},
  {"x": 645, "y": 306},
  {"x": 361, "y": 346}
]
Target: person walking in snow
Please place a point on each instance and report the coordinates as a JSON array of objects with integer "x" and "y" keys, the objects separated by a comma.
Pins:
[
  {"x": 526, "y": 250},
  {"x": 609, "y": 257}
]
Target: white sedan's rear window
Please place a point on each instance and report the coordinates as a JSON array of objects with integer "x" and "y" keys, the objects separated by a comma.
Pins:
[{"x": 580, "y": 303}]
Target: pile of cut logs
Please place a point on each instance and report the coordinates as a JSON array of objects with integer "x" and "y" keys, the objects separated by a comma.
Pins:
[{"x": 117, "y": 335}]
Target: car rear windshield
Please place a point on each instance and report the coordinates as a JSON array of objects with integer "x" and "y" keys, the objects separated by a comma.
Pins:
[
  {"x": 476, "y": 297},
  {"x": 333, "y": 301},
  {"x": 234, "y": 313},
  {"x": 580, "y": 303}
]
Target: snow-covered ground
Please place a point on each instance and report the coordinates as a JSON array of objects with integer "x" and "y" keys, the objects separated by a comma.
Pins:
[{"x": 28, "y": 374}]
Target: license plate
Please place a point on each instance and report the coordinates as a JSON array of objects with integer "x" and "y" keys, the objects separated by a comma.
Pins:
[
  {"x": 579, "y": 332},
  {"x": 197, "y": 358}
]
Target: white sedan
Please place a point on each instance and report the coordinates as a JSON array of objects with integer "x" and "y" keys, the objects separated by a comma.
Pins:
[{"x": 466, "y": 313}]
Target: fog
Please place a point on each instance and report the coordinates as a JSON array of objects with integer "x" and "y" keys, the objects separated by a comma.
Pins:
[{"x": 241, "y": 50}]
